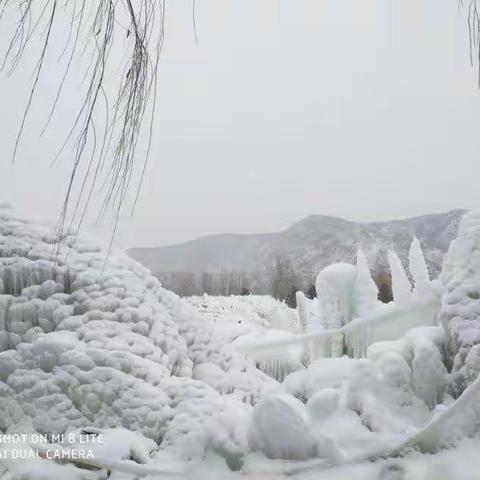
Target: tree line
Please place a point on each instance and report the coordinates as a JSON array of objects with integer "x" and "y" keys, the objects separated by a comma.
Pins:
[{"x": 281, "y": 281}]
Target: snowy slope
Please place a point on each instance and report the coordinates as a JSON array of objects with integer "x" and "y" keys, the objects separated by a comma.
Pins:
[
  {"x": 311, "y": 244},
  {"x": 241, "y": 314}
]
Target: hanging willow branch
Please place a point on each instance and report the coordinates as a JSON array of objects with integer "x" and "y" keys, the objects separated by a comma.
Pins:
[
  {"x": 96, "y": 28},
  {"x": 472, "y": 7}
]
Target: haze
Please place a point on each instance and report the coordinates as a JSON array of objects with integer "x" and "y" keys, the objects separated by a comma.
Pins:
[{"x": 368, "y": 110}]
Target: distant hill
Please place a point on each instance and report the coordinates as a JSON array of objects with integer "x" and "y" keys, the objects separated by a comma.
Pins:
[{"x": 310, "y": 245}]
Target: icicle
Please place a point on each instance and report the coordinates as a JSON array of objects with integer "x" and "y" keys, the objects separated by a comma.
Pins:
[
  {"x": 401, "y": 286},
  {"x": 302, "y": 311},
  {"x": 309, "y": 313},
  {"x": 418, "y": 269},
  {"x": 357, "y": 338},
  {"x": 365, "y": 292},
  {"x": 277, "y": 369}
]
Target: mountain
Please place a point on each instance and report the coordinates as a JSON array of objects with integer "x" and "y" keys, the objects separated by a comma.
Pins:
[{"x": 311, "y": 244}]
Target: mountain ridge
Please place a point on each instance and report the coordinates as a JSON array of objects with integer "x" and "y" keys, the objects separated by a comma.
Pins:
[{"x": 310, "y": 244}]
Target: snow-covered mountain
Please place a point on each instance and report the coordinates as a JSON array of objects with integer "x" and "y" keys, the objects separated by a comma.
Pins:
[{"x": 310, "y": 244}]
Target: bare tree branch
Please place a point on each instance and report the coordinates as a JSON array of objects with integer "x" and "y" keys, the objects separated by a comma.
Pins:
[{"x": 91, "y": 28}]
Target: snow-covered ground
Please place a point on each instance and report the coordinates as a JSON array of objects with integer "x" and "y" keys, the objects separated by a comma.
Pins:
[
  {"x": 99, "y": 349},
  {"x": 230, "y": 317}
]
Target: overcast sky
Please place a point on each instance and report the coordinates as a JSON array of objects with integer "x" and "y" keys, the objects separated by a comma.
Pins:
[{"x": 366, "y": 109}]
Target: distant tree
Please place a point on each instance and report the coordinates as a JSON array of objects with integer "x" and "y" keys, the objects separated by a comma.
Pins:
[
  {"x": 207, "y": 283},
  {"x": 285, "y": 281},
  {"x": 245, "y": 291},
  {"x": 384, "y": 284},
  {"x": 183, "y": 283},
  {"x": 245, "y": 285},
  {"x": 291, "y": 298},
  {"x": 311, "y": 291},
  {"x": 224, "y": 282}
]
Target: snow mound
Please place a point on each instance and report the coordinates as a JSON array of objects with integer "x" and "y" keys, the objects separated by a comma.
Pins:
[{"x": 279, "y": 428}]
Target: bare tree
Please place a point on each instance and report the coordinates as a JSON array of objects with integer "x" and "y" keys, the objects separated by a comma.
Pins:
[
  {"x": 183, "y": 283},
  {"x": 311, "y": 290},
  {"x": 472, "y": 7},
  {"x": 383, "y": 281},
  {"x": 285, "y": 281},
  {"x": 208, "y": 284}
]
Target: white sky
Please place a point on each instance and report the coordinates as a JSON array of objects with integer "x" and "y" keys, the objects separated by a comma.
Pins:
[{"x": 364, "y": 109}]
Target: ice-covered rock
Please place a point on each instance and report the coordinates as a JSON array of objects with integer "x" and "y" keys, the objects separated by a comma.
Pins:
[{"x": 460, "y": 312}]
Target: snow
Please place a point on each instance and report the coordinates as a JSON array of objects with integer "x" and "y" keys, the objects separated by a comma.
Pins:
[
  {"x": 279, "y": 428},
  {"x": 236, "y": 320},
  {"x": 311, "y": 244},
  {"x": 249, "y": 312},
  {"x": 348, "y": 295},
  {"x": 105, "y": 350},
  {"x": 88, "y": 344},
  {"x": 460, "y": 419},
  {"x": 365, "y": 405}
]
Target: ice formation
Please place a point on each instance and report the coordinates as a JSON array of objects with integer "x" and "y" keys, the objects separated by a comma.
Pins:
[
  {"x": 334, "y": 287},
  {"x": 347, "y": 316},
  {"x": 366, "y": 405},
  {"x": 365, "y": 292},
  {"x": 390, "y": 322},
  {"x": 460, "y": 312},
  {"x": 418, "y": 269},
  {"x": 308, "y": 314},
  {"x": 115, "y": 353},
  {"x": 248, "y": 317},
  {"x": 344, "y": 292},
  {"x": 401, "y": 286},
  {"x": 88, "y": 344}
]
